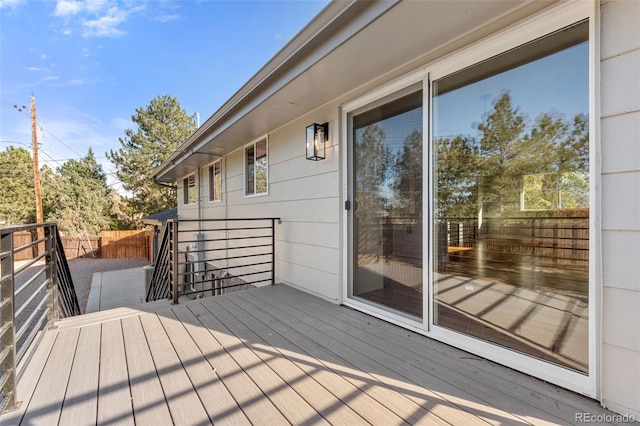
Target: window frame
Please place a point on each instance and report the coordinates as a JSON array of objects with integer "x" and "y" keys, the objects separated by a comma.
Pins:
[
  {"x": 186, "y": 190},
  {"x": 211, "y": 180},
  {"x": 255, "y": 160}
]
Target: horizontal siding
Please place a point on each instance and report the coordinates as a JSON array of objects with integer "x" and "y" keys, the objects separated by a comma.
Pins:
[
  {"x": 304, "y": 194},
  {"x": 620, "y": 201},
  {"x": 319, "y": 283},
  {"x": 322, "y": 234},
  {"x": 620, "y": 130},
  {"x": 315, "y": 257},
  {"x": 622, "y": 30},
  {"x": 620, "y": 253},
  {"x": 313, "y": 210},
  {"x": 620, "y": 84},
  {"x": 620, "y": 146}
]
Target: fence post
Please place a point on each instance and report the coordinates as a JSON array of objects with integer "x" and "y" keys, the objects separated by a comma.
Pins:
[
  {"x": 174, "y": 253},
  {"x": 50, "y": 267},
  {"x": 7, "y": 326}
]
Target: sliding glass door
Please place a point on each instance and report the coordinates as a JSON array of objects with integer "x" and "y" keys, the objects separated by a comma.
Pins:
[
  {"x": 386, "y": 157},
  {"x": 469, "y": 202},
  {"x": 511, "y": 211}
]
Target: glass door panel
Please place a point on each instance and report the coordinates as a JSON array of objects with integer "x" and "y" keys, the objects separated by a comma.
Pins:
[
  {"x": 387, "y": 214},
  {"x": 511, "y": 199}
]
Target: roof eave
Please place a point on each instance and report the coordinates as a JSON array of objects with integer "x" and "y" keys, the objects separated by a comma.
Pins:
[{"x": 319, "y": 31}]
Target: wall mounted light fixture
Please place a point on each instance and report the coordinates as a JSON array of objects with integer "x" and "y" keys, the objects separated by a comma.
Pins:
[{"x": 316, "y": 137}]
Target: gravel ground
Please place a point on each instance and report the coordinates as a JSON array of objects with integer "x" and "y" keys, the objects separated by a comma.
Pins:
[{"x": 82, "y": 270}]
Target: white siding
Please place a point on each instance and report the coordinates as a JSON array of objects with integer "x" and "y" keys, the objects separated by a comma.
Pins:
[
  {"x": 620, "y": 143},
  {"x": 304, "y": 194}
]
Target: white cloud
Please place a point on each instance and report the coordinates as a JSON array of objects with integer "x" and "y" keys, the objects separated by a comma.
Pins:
[
  {"x": 95, "y": 6},
  {"x": 163, "y": 19},
  {"x": 94, "y": 18},
  {"x": 107, "y": 25},
  {"x": 72, "y": 82},
  {"x": 33, "y": 69},
  {"x": 68, "y": 8},
  {"x": 12, "y": 4}
]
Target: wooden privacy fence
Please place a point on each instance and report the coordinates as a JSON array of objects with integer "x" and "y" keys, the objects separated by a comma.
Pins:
[
  {"x": 81, "y": 247},
  {"x": 126, "y": 244},
  {"x": 110, "y": 245}
]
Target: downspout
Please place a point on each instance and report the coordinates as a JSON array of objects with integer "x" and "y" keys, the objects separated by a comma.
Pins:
[
  {"x": 199, "y": 197},
  {"x": 226, "y": 213}
]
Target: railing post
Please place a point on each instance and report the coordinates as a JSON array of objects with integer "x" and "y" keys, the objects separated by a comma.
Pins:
[
  {"x": 174, "y": 260},
  {"x": 8, "y": 378},
  {"x": 52, "y": 289},
  {"x": 273, "y": 251}
]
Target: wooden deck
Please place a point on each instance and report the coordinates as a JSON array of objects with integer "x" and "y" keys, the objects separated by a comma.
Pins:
[{"x": 272, "y": 355}]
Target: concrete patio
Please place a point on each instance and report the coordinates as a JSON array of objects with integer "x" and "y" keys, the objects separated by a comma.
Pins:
[{"x": 115, "y": 289}]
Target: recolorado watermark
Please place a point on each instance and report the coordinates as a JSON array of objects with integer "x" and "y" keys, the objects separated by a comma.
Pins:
[{"x": 604, "y": 418}]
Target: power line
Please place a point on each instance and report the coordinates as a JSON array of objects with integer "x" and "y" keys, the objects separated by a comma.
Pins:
[
  {"x": 43, "y": 126},
  {"x": 45, "y": 129}
]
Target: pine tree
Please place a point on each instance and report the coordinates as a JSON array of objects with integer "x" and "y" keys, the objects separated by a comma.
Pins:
[
  {"x": 17, "y": 196},
  {"x": 161, "y": 127},
  {"x": 84, "y": 207}
]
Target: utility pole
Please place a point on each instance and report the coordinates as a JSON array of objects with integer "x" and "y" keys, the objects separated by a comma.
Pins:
[{"x": 36, "y": 166}]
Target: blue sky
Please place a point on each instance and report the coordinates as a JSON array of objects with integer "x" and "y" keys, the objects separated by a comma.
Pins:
[{"x": 91, "y": 63}]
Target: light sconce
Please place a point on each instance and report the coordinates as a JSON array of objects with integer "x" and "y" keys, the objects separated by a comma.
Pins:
[{"x": 316, "y": 137}]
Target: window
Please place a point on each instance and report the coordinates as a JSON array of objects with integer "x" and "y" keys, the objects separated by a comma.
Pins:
[
  {"x": 189, "y": 189},
  {"x": 255, "y": 156},
  {"x": 215, "y": 181}
]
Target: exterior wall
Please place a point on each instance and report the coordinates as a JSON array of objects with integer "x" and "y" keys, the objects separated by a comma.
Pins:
[
  {"x": 304, "y": 194},
  {"x": 620, "y": 144}
]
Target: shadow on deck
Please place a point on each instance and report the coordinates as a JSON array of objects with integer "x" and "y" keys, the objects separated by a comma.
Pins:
[{"x": 271, "y": 355}]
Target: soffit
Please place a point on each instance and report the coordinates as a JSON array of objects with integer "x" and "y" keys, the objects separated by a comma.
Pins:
[{"x": 403, "y": 36}]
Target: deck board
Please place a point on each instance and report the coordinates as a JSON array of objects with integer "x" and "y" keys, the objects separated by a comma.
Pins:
[
  {"x": 306, "y": 386},
  {"x": 246, "y": 393},
  {"x": 46, "y": 404},
  {"x": 350, "y": 385},
  {"x": 294, "y": 408},
  {"x": 489, "y": 375},
  {"x": 381, "y": 368},
  {"x": 114, "y": 394},
  {"x": 184, "y": 403},
  {"x": 147, "y": 396},
  {"x": 273, "y": 356},
  {"x": 81, "y": 399},
  {"x": 216, "y": 399},
  {"x": 462, "y": 388}
]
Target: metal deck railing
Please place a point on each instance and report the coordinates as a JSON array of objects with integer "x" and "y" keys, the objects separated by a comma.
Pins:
[
  {"x": 33, "y": 295},
  {"x": 212, "y": 256}
]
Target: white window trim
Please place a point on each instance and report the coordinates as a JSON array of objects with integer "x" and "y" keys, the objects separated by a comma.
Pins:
[
  {"x": 244, "y": 167},
  {"x": 209, "y": 180},
  {"x": 185, "y": 190},
  {"x": 538, "y": 25}
]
